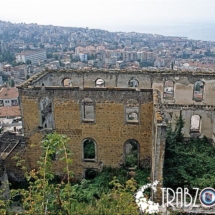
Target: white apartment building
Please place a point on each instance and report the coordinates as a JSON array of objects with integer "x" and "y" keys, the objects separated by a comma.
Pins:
[
  {"x": 116, "y": 53},
  {"x": 160, "y": 62},
  {"x": 111, "y": 61},
  {"x": 35, "y": 56},
  {"x": 129, "y": 56},
  {"x": 142, "y": 56},
  {"x": 83, "y": 57}
]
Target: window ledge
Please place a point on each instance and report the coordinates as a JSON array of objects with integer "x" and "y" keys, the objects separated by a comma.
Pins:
[
  {"x": 132, "y": 121},
  {"x": 88, "y": 120},
  {"x": 198, "y": 100},
  {"x": 90, "y": 160},
  {"x": 195, "y": 134},
  {"x": 194, "y": 131},
  {"x": 168, "y": 98}
]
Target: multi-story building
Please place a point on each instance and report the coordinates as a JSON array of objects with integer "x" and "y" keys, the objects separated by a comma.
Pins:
[
  {"x": 83, "y": 57},
  {"x": 142, "y": 56},
  {"x": 79, "y": 50},
  {"x": 34, "y": 57}
]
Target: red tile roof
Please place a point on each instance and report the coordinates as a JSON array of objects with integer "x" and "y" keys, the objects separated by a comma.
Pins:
[
  {"x": 10, "y": 92},
  {"x": 10, "y": 111}
]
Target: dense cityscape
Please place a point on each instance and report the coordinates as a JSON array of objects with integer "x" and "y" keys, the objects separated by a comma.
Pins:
[{"x": 26, "y": 49}]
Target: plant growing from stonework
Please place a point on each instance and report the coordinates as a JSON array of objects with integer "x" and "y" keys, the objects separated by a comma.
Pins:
[{"x": 43, "y": 196}]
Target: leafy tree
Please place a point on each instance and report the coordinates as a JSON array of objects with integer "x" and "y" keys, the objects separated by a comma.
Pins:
[
  {"x": 71, "y": 57},
  {"x": 42, "y": 195},
  {"x": 49, "y": 55},
  {"x": 5, "y": 77},
  {"x": 12, "y": 83},
  {"x": 146, "y": 64},
  {"x": 7, "y": 57},
  {"x": 28, "y": 62},
  {"x": 91, "y": 57},
  {"x": 56, "y": 57},
  {"x": 61, "y": 63}
]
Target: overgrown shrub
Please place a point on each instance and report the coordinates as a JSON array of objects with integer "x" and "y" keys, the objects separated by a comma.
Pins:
[
  {"x": 110, "y": 192},
  {"x": 188, "y": 163}
]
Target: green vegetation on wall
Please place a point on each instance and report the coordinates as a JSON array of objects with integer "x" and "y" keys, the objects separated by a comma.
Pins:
[{"x": 188, "y": 163}]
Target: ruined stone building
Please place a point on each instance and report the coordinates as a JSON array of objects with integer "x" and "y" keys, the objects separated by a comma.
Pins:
[{"x": 116, "y": 113}]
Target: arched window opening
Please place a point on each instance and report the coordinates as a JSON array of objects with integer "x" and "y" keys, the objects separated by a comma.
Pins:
[
  {"x": 168, "y": 89},
  {"x": 100, "y": 83},
  {"x": 89, "y": 150},
  {"x": 87, "y": 109},
  {"x": 133, "y": 82},
  {"x": 46, "y": 113},
  {"x": 67, "y": 82},
  {"x": 195, "y": 123},
  {"x": 132, "y": 111},
  {"x": 198, "y": 90},
  {"x": 131, "y": 153}
]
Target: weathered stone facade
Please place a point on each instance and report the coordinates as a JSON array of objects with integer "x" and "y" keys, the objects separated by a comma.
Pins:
[
  {"x": 55, "y": 100},
  {"x": 109, "y": 129},
  {"x": 182, "y": 97}
]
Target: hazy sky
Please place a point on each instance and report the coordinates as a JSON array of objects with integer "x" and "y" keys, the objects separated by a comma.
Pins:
[{"x": 110, "y": 15}]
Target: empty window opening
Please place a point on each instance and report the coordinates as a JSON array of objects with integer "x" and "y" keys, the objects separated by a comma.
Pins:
[
  {"x": 87, "y": 109},
  {"x": 46, "y": 113},
  {"x": 195, "y": 123},
  {"x": 90, "y": 174},
  {"x": 198, "y": 90},
  {"x": 168, "y": 89},
  {"x": 89, "y": 150},
  {"x": 100, "y": 83},
  {"x": 133, "y": 82},
  {"x": 131, "y": 153},
  {"x": 67, "y": 82},
  {"x": 132, "y": 111}
]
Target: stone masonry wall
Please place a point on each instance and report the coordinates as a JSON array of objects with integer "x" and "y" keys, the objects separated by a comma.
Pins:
[{"x": 109, "y": 130}]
